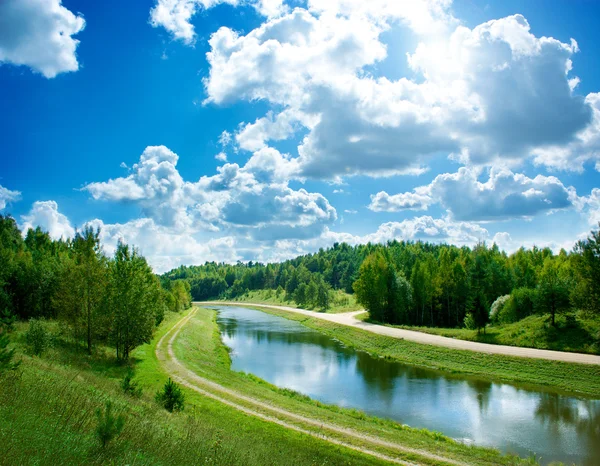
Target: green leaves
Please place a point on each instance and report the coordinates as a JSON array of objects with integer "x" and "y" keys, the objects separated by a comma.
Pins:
[{"x": 171, "y": 397}]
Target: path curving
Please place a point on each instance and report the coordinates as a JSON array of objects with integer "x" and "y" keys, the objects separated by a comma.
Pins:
[
  {"x": 181, "y": 374},
  {"x": 349, "y": 319}
]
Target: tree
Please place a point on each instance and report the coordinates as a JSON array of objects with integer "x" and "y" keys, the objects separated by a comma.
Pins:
[
  {"x": 553, "y": 289},
  {"x": 301, "y": 295},
  {"x": 371, "y": 288},
  {"x": 479, "y": 311},
  {"x": 81, "y": 291},
  {"x": 588, "y": 268},
  {"x": 171, "y": 397},
  {"x": 109, "y": 426},
  {"x": 323, "y": 295},
  {"x": 134, "y": 292}
]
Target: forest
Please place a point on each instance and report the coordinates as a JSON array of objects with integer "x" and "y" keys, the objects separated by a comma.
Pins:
[
  {"x": 419, "y": 283},
  {"x": 116, "y": 301}
]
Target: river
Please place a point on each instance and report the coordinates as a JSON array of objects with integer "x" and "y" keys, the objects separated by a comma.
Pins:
[{"x": 511, "y": 418}]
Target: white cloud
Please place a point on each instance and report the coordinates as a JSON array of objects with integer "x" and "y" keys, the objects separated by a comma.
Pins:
[
  {"x": 504, "y": 195},
  {"x": 491, "y": 95},
  {"x": 165, "y": 248},
  {"x": 175, "y": 15},
  {"x": 383, "y": 202},
  {"x": 38, "y": 34},
  {"x": 221, "y": 157},
  {"x": 7, "y": 196},
  {"x": 45, "y": 214},
  {"x": 252, "y": 200}
]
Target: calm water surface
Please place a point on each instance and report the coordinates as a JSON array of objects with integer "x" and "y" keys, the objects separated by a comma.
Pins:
[{"x": 513, "y": 419}]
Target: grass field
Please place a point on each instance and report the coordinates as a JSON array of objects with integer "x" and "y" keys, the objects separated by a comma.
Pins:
[
  {"x": 578, "y": 379},
  {"x": 341, "y": 302}
]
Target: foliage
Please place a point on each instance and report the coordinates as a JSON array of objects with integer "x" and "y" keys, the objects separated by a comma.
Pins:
[
  {"x": 6, "y": 354},
  {"x": 497, "y": 306},
  {"x": 171, "y": 397},
  {"x": 37, "y": 337},
  {"x": 109, "y": 426},
  {"x": 553, "y": 289},
  {"x": 129, "y": 386}
]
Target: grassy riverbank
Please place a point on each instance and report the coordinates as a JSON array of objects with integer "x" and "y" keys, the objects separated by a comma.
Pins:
[
  {"x": 580, "y": 379},
  {"x": 48, "y": 411},
  {"x": 340, "y": 301},
  {"x": 576, "y": 334},
  {"x": 199, "y": 347}
]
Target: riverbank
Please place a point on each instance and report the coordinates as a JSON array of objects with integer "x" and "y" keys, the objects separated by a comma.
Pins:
[
  {"x": 48, "y": 411},
  {"x": 340, "y": 302},
  {"x": 568, "y": 378},
  {"x": 204, "y": 362}
]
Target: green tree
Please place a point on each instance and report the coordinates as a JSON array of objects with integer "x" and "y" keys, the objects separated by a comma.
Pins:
[
  {"x": 171, "y": 397},
  {"x": 371, "y": 288},
  {"x": 588, "y": 269},
  {"x": 82, "y": 289},
  {"x": 134, "y": 292},
  {"x": 479, "y": 310},
  {"x": 109, "y": 426},
  {"x": 553, "y": 289}
]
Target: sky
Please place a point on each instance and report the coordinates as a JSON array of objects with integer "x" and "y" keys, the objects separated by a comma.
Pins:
[{"x": 228, "y": 130}]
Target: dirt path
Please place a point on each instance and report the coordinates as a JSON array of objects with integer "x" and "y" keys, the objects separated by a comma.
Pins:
[
  {"x": 349, "y": 319},
  {"x": 184, "y": 376}
]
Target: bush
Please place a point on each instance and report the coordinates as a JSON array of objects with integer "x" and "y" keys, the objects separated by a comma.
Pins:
[
  {"x": 171, "y": 397},
  {"x": 109, "y": 425},
  {"x": 520, "y": 305},
  {"x": 470, "y": 322},
  {"x": 37, "y": 337},
  {"x": 129, "y": 386},
  {"x": 497, "y": 307},
  {"x": 6, "y": 354}
]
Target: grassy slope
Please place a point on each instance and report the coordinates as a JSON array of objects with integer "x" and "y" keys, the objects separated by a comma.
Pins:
[
  {"x": 343, "y": 302},
  {"x": 199, "y": 348},
  {"x": 48, "y": 417},
  {"x": 533, "y": 332},
  {"x": 578, "y": 379}
]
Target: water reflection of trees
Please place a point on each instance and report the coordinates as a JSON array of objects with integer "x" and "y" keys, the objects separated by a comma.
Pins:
[
  {"x": 583, "y": 415},
  {"x": 482, "y": 390}
]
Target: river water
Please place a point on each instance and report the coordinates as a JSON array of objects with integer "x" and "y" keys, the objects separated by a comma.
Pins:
[{"x": 511, "y": 418}]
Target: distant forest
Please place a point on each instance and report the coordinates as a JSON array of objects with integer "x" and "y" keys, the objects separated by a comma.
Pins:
[{"x": 419, "y": 283}]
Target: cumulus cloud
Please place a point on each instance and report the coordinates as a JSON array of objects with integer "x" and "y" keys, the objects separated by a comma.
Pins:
[
  {"x": 252, "y": 200},
  {"x": 38, "y": 34},
  {"x": 165, "y": 248},
  {"x": 503, "y": 196},
  {"x": 492, "y": 95},
  {"x": 175, "y": 15},
  {"x": 7, "y": 196},
  {"x": 45, "y": 214}
]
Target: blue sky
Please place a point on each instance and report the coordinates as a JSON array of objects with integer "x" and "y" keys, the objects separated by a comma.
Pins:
[{"x": 335, "y": 121}]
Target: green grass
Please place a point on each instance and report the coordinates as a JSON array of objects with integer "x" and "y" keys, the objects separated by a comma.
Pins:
[
  {"x": 199, "y": 347},
  {"x": 578, "y": 335},
  {"x": 48, "y": 412},
  {"x": 342, "y": 302},
  {"x": 578, "y": 379}
]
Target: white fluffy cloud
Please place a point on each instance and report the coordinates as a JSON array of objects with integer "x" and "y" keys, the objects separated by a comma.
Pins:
[
  {"x": 7, "y": 196},
  {"x": 45, "y": 214},
  {"x": 492, "y": 95},
  {"x": 253, "y": 200},
  {"x": 175, "y": 15},
  {"x": 38, "y": 34},
  {"x": 503, "y": 196}
]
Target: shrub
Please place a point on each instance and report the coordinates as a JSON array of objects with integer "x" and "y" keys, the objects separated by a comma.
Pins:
[
  {"x": 497, "y": 307},
  {"x": 470, "y": 322},
  {"x": 6, "y": 354},
  {"x": 129, "y": 386},
  {"x": 109, "y": 425},
  {"x": 37, "y": 337},
  {"x": 520, "y": 305},
  {"x": 171, "y": 397}
]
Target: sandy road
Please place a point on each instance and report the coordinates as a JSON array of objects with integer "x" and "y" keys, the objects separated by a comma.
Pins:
[
  {"x": 254, "y": 407},
  {"x": 349, "y": 319}
]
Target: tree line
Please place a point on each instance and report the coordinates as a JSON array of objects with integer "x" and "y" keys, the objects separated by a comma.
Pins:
[
  {"x": 420, "y": 283},
  {"x": 114, "y": 300}
]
